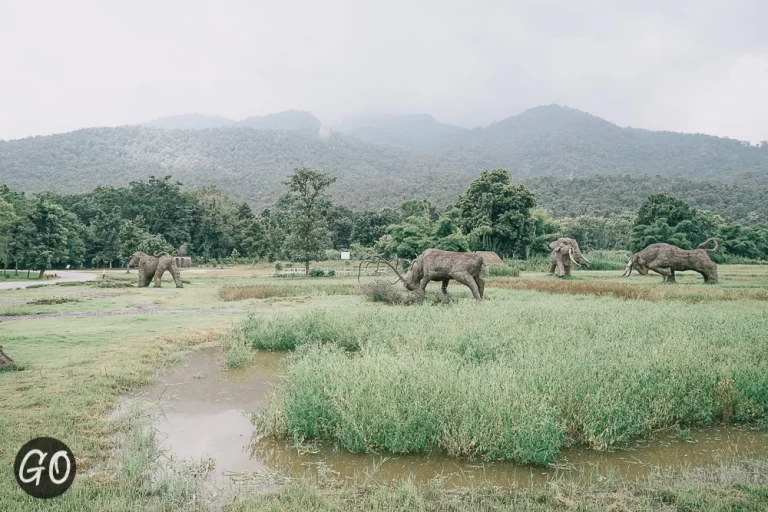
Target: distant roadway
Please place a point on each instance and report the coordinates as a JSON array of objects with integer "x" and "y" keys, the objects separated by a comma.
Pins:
[{"x": 64, "y": 277}]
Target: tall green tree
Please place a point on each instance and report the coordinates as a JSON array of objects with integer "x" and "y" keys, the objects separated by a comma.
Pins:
[
  {"x": 7, "y": 217},
  {"x": 497, "y": 215},
  {"x": 47, "y": 244},
  {"x": 663, "y": 218},
  {"x": 419, "y": 207},
  {"x": 103, "y": 238},
  {"x": 370, "y": 226},
  {"x": 309, "y": 235},
  {"x": 600, "y": 233}
]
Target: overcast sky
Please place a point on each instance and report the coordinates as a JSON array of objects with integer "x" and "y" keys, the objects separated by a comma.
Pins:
[{"x": 692, "y": 66}]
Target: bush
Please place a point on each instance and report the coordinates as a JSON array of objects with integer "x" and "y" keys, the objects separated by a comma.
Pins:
[
  {"x": 278, "y": 266},
  {"x": 316, "y": 272},
  {"x": 237, "y": 352},
  {"x": 382, "y": 291},
  {"x": 332, "y": 273},
  {"x": 605, "y": 260},
  {"x": 503, "y": 271},
  {"x": 288, "y": 332}
]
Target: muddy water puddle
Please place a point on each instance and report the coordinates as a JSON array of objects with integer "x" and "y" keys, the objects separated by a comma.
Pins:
[{"x": 207, "y": 409}]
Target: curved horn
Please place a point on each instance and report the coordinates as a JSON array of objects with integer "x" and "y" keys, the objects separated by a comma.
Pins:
[
  {"x": 628, "y": 270},
  {"x": 570, "y": 253}
]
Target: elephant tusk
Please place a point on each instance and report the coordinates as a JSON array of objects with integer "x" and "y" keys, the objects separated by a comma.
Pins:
[
  {"x": 570, "y": 253},
  {"x": 628, "y": 270}
]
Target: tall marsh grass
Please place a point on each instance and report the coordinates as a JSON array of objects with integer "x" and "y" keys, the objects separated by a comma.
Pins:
[
  {"x": 600, "y": 260},
  {"x": 266, "y": 291},
  {"x": 628, "y": 290},
  {"x": 516, "y": 378}
]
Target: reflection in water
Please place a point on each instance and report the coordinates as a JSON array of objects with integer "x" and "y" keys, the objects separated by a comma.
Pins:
[
  {"x": 707, "y": 447},
  {"x": 207, "y": 414}
]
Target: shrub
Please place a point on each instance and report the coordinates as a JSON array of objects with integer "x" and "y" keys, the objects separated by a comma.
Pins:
[
  {"x": 237, "y": 352},
  {"x": 503, "y": 271},
  {"x": 332, "y": 273},
  {"x": 316, "y": 272},
  {"x": 278, "y": 266},
  {"x": 605, "y": 260},
  {"x": 382, "y": 291},
  {"x": 288, "y": 332}
]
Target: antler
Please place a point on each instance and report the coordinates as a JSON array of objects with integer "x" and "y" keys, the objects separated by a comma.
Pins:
[{"x": 378, "y": 260}]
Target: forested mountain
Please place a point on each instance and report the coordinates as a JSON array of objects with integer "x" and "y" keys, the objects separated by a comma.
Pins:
[
  {"x": 420, "y": 131},
  {"x": 555, "y": 140},
  {"x": 567, "y": 142},
  {"x": 190, "y": 122},
  {"x": 612, "y": 168},
  {"x": 288, "y": 120},
  {"x": 245, "y": 163}
]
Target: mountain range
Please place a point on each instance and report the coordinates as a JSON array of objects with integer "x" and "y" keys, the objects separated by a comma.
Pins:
[{"x": 383, "y": 160}]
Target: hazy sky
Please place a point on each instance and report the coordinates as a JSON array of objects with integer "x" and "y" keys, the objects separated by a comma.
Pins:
[{"x": 693, "y": 66}]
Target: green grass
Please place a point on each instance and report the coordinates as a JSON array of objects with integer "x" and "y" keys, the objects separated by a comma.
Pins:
[
  {"x": 303, "y": 288},
  {"x": 21, "y": 276},
  {"x": 600, "y": 260},
  {"x": 742, "y": 487},
  {"x": 503, "y": 271},
  {"x": 518, "y": 377},
  {"x": 71, "y": 372},
  {"x": 582, "y": 366}
]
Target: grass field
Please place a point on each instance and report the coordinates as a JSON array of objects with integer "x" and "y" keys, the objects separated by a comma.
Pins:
[{"x": 533, "y": 369}]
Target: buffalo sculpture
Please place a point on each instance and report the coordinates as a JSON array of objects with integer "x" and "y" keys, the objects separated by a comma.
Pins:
[
  {"x": 665, "y": 259},
  {"x": 437, "y": 265}
]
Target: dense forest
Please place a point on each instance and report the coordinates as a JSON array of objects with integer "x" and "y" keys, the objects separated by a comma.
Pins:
[
  {"x": 575, "y": 163},
  {"x": 105, "y": 226}
]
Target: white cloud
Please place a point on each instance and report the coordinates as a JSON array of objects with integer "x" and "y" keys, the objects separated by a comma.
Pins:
[{"x": 679, "y": 65}]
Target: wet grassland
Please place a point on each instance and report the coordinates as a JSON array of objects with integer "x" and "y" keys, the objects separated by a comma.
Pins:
[{"x": 541, "y": 365}]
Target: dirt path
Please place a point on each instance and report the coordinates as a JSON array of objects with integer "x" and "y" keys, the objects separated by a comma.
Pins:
[
  {"x": 64, "y": 277},
  {"x": 144, "y": 310}
]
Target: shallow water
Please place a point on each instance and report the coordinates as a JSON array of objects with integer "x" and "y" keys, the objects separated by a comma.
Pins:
[{"x": 207, "y": 413}]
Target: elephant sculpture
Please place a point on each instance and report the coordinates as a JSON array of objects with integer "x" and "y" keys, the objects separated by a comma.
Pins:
[
  {"x": 437, "y": 265},
  {"x": 154, "y": 267},
  {"x": 665, "y": 259},
  {"x": 565, "y": 251}
]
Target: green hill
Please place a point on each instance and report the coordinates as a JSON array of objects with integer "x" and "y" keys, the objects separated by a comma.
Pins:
[{"x": 545, "y": 147}]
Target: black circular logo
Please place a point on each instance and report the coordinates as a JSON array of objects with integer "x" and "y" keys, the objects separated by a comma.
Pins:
[{"x": 44, "y": 468}]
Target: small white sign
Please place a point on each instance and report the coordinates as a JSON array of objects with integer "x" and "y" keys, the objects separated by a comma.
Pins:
[{"x": 345, "y": 255}]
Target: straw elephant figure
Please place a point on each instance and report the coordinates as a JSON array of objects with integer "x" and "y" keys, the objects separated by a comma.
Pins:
[
  {"x": 565, "y": 251},
  {"x": 153, "y": 267}
]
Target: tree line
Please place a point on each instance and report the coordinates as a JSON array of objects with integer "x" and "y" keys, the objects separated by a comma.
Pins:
[{"x": 105, "y": 226}]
